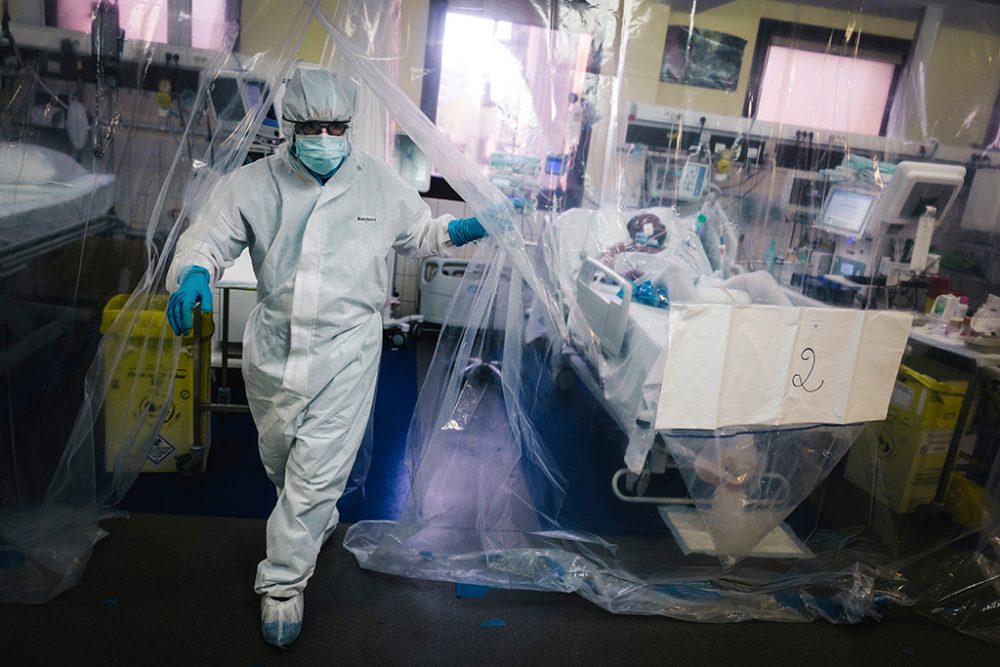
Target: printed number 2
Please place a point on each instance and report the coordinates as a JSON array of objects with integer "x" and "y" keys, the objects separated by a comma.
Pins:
[{"x": 798, "y": 381}]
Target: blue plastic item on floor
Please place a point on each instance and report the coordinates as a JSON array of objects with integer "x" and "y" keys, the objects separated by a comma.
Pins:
[{"x": 466, "y": 591}]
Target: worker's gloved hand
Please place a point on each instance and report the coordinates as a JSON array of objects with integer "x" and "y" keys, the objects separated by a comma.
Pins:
[
  {"x": 502, "y": 214},
  {"x": 465, "y": 230},
  {"x": 194, "y": 288}
]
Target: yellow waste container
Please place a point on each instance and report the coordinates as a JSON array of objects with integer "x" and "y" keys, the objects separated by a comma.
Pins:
[
  {"x": 138, "y": 363},
  {"x": 964, "y": 501},
  {"x": 902, "y": 458}
]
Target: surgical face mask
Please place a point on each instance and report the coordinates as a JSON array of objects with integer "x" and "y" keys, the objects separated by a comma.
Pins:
[{"x": 322, "y": 153}]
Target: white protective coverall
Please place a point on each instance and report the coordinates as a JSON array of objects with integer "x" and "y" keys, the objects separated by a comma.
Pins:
[{"x": 312, "y": 344}]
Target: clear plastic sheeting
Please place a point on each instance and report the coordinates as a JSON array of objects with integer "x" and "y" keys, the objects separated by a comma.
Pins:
[
  {"x": 111, "y": 140},
  {"x": 627, "y": 159},
  {"x": 534, "y": 459},
  {"x": 745, "y": 484},
  {"x": 960, "y": 588}
]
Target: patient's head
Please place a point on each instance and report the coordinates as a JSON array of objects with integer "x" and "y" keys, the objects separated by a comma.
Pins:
[{"x": 648, "y": 232}]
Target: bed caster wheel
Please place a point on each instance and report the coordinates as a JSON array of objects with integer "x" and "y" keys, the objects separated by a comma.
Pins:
[
  {"x": 642, "y": 486},
  {"x": 416, "y": 330},
  {"x": 564, "y": 379},
  {"x": 479, "y": 373},
  {"x": 189, "y": 464},
  {"x": 478, "y": 376},
  {"x": 637, "y": 485},
  {"x": 397, "y": 340}
]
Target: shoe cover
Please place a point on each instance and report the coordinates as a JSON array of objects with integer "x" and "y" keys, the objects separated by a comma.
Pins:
[{"x": 281, "y": 620}]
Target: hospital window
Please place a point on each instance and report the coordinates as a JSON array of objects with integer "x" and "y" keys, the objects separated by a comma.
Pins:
[
  {"x": 495, "y": 78},
  {"x": 198, "y": 23},
  {"x": 993, "y": 127},
  {"x": 823, "y": 78}
]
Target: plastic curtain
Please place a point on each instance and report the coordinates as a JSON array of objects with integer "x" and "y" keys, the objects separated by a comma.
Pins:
[
  {"x": 105, "y": 158},
  {"x": 646, "y": 156},
  {"x": 532, "y": 459}
]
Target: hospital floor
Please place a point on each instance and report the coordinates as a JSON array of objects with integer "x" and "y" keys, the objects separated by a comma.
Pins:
[{"x": 173, "y": 585}]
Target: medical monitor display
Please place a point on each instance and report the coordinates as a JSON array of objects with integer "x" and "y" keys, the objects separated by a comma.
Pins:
[
  {"x": 682, "y": 180},
  {"x": 914, "y": 187},
  {"x": 256, "y": 92},
  {"x": 226, "y": 98},
  {"x": 923, "y": 195},
  {"x": 806, "y": 193},
  {"x": 846, "y": 211}
]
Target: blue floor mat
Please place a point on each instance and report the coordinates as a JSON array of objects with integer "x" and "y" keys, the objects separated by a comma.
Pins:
[
  {"x": 235, "y": 485},
  {"x": 387, "y": 482}
]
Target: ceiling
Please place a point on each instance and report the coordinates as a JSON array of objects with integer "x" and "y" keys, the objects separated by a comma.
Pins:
[{"x": 976, "y": 14}]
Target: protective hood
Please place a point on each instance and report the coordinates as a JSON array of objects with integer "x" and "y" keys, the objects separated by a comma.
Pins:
[{"x": 315, "y": 94}]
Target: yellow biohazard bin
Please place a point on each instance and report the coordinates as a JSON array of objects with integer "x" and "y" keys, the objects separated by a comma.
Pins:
[
  {"x": 138, "y": 363},
  {"x": 902, "y": 458}
]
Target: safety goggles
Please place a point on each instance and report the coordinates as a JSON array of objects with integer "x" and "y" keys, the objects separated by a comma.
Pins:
[{"x": 311, "y": 127}]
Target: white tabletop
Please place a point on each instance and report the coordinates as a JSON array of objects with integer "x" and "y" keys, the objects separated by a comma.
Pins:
[
  {"x": 842, "y": 280},
  {"x": 952, "y": 344},
  {"x": 240, "y": 275}
]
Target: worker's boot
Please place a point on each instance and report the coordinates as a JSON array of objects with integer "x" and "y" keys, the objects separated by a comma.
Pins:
[{"x": 281, "y": 619}]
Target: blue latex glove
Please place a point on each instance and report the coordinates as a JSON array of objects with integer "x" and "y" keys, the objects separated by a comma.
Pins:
[
  {"x": 465, "y": 230},
  {"x": 194, "y": 288},
  {"x": 648, "y": 293}
]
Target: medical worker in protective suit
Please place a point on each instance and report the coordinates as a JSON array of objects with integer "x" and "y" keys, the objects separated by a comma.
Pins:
[{"x": 320, "y": 219}]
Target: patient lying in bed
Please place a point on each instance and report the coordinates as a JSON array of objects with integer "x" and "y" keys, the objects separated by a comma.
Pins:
[{"x": 670, "y": 252}]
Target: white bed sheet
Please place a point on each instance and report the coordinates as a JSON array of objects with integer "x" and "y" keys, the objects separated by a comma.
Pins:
[
  {"x": 637, "y": 365},
  {"x": 630, "y": 381},
  {"x": 30, "y": 211}
]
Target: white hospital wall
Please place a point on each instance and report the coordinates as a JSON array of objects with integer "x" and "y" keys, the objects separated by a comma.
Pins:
[
  {"x": 257, "y": 34},
  {"x": 962, "y": 81},
  {"x": 742, "y": 18},
  {"x": 408, "y": 273},
  {"x": 23, "y": 11}
]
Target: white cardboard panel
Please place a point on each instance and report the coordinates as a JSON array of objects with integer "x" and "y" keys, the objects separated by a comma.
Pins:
[
  {"x": 882, "y": 348},
  {"x": 821, "y": 371},
  {"x": 760, "y": 346},
  {"x": 768, "y": 365},
  {"x": 692, "y": 379}
]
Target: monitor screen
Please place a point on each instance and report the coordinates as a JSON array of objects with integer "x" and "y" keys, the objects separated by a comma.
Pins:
[
  {"x": 922, "y": 195},
  {"x": 226, "y": 98},
  {"x": 846, "y": 211},
  {"x": 682, "y": 180},
  {"x": 848, "y": 267},
  {"x": 807, "y": 193},
  {"x": 554, "y": 164},
  {"x": 256, "y": 92}
]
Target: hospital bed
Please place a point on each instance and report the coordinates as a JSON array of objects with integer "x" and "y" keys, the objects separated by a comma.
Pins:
[
  {"x": 617, "y": 348},
  {"x": 47, "y": 201}
]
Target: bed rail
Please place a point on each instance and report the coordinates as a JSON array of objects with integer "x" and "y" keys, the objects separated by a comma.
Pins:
[{"x": 606, "y": 314}]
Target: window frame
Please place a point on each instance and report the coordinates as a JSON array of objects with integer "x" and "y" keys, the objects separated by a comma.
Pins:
[
  {"x": 523, "y": 12},
  {"x": 992, "y": 138},
  {"x": 433, "y": 51},
  {"x": 879, "y": 47},
  {"x": 50, "y": 13}
]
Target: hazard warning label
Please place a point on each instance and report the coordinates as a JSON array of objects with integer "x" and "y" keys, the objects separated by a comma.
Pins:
[{"x": 161, "y": 449}]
